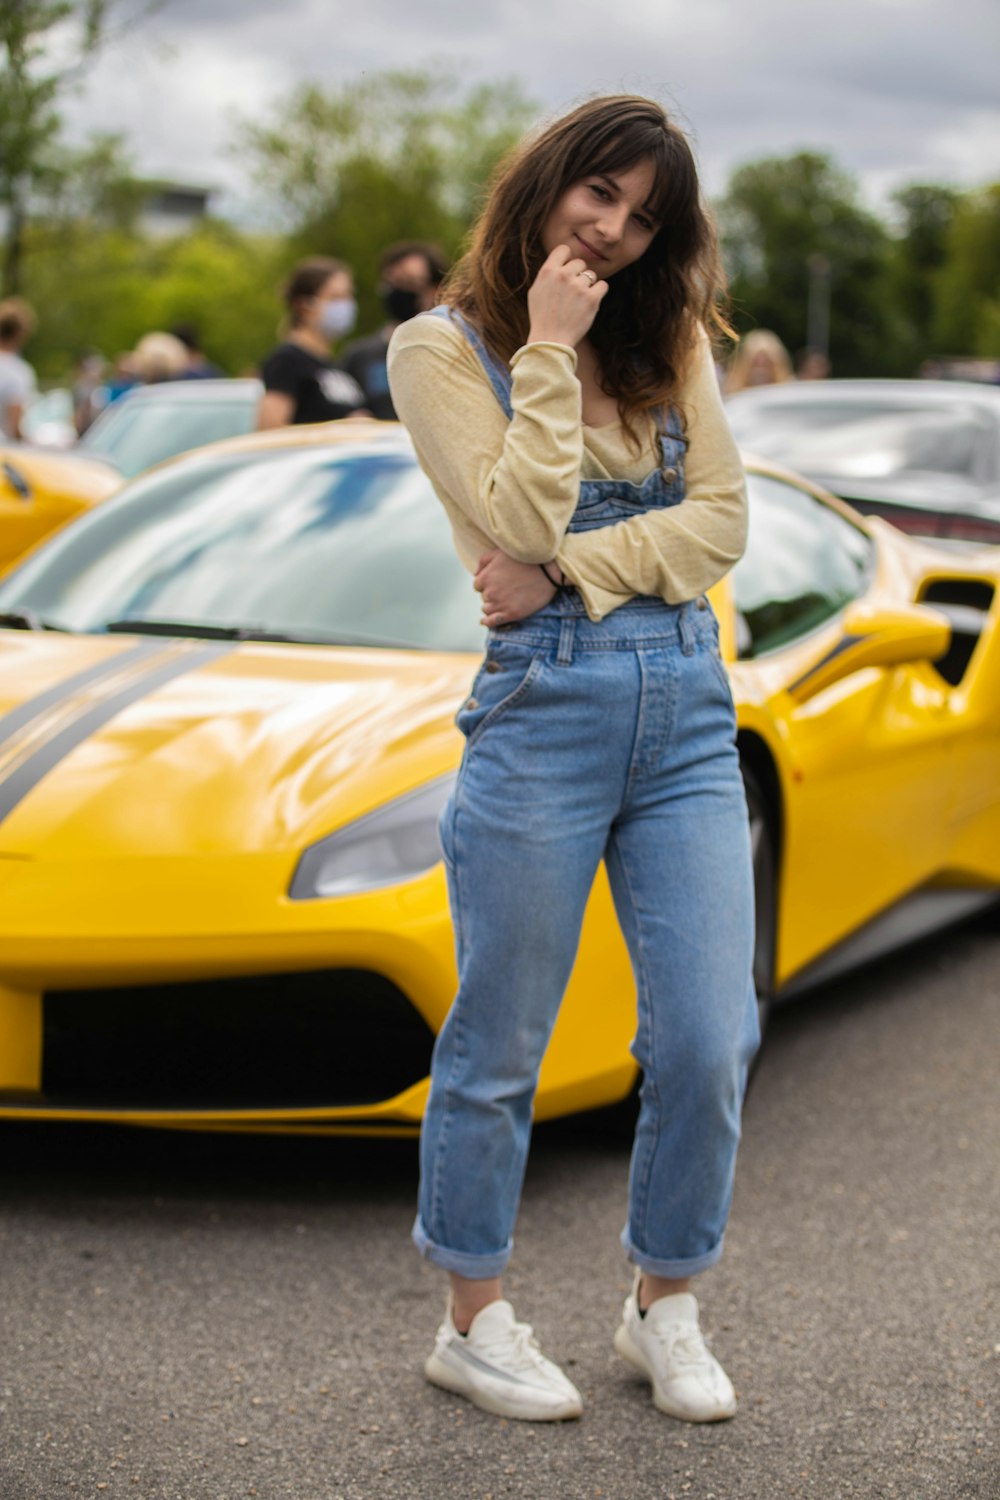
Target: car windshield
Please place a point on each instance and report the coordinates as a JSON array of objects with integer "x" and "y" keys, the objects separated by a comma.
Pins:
[
  {"x": 311, "y": 544},
  {"x": 846, "y": 440},
  {"x": 135, "y": 434},
  {"x": 803, "y": 563},
  {"x": 350, "y": 545}
]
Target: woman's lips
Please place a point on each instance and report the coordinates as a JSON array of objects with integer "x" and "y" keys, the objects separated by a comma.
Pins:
[{"x": 589, "y": 250}]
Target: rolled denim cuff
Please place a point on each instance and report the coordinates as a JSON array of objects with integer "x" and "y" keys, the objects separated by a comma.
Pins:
[
  {"x": 673, "y": 1270},
  {"x": 475, "y": 1267}
]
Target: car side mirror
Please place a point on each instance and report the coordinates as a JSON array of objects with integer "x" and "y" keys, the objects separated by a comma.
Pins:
[{"x": 877, "y": 637}]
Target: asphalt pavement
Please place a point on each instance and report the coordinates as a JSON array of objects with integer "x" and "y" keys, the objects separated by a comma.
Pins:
[{"x": 207, "y": 1318}]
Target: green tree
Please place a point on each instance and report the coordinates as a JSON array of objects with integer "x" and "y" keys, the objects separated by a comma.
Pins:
[
  {"x": 104, "y": 287},
  {"x": 782, "y": 216},
  {"x": 30, "y": 88},
  {"x": 397, "y": 155},
  {"x": 967, "y": 292},
  {"x": 926, "y": 211}
]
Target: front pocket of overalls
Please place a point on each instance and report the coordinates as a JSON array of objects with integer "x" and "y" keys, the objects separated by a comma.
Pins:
[
  {"x": 707, "y": 635},
  {"x": 504, "y": 680}
]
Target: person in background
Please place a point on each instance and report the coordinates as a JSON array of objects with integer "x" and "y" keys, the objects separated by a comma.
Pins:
[
  {"x": 301, "y": 381},
  {"x": 18, "y": 386},
  {"x": 410, "y": 274},
  {"x": 122, "y": 376},
  {"x": 761, "y": 359},
  {"x": 91, "y": 371},
  {"x": 198, "y": 367},
  {"x": 158, "y": 356},
  {"x": 812, "y": 364}
]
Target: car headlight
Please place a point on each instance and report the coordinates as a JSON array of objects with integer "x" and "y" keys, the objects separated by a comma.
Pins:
[{"x": 398, "y": 842}]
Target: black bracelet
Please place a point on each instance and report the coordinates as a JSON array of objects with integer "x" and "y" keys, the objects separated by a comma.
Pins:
[{"x": 560, "y": 587}]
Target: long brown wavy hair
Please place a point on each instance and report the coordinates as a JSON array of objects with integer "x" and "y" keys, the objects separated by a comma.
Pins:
[{"x": 645, "y": 325}]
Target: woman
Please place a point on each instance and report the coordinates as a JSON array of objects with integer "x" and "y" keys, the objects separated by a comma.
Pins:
[
  {"x": 565, "y": 405},
  {"x": 301, "y": 383},
  {"x": 761, "y": 359},
  {"x": 159, "y": 357}
]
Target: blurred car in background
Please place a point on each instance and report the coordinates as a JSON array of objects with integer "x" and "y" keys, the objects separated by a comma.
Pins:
[
  {"x": 923, "y": 454},
  {"x": 153, "y": 422},
  {"x": 48, "y": 421},
  {"x": 227, "y": 703},
  {"x": 41, "y": 489}
]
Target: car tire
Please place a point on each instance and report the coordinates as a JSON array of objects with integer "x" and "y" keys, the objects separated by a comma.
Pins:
[{"x": 764, "y": 850}]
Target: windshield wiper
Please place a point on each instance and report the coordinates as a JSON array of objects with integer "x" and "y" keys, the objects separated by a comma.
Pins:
[
  {"x": 250, "y": 633},
  {"x": 182, "y": 627},
  {"x": 26, "y": 619}
]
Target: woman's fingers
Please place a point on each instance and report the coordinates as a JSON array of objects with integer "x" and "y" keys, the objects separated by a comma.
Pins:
[{"x": 563, "y": 299}]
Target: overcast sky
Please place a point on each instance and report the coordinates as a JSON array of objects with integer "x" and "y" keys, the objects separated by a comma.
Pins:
[{"x": 895, "y": 90}]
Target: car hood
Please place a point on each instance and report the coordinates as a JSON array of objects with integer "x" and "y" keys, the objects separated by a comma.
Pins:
[{"x": 121, "y": 746}]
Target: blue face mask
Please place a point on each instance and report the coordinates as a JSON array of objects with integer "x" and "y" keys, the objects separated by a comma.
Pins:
[{"x": 338, "y": 316}]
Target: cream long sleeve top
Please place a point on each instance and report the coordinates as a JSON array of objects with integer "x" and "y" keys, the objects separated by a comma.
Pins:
[{"x": 515, "y": 484}]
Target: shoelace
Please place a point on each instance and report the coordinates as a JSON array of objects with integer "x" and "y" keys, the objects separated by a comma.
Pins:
[
  {"x": 685, "y": 1346},
  {"x": 520, "y": 1351}
]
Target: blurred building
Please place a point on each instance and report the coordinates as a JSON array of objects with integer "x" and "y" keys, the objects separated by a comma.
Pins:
[{"x": 170, "y": 208}]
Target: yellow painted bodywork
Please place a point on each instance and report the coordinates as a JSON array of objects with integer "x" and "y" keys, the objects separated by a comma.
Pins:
[
  {"x": 40, "y": 492},
  {"x": 161, "y": 848}
]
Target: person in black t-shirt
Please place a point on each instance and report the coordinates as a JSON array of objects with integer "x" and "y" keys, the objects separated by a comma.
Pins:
[
  {"x": 301, "y": 382},
  {"x": 409, "y": 276}
]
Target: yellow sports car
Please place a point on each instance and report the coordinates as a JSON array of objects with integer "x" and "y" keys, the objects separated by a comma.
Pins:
[
  {"x": 226, "y": 732},
  {"x": 40, "y": 492}
]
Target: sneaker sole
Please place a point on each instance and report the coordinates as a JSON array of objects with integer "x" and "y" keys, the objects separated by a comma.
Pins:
[
  {"x": 441, "y": 1374},
  {"x": 631, "y": 1352}
]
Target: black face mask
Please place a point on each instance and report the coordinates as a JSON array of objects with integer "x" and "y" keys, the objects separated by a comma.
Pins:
[{"x": 400, "y": 305}]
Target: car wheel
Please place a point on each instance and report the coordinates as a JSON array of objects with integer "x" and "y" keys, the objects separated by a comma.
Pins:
[{"x": 765, "y": 879}]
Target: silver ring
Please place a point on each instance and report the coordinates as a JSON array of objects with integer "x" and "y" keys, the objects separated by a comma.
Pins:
[{"x": 590, "y": 275}]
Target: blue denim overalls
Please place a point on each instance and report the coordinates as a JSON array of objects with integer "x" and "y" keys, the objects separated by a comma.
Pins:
[{"x": 587, "y": 741}]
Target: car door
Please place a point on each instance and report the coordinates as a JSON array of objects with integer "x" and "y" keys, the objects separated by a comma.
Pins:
[{"x": 866, "y": 808}]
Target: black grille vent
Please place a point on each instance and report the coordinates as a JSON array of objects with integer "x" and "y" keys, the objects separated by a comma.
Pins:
[
  {"x": 966, "y": 602},
  {"x": 337, "y": 1037}
]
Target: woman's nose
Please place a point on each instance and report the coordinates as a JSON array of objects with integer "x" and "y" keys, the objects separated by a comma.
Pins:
[{"x": 612, "y": 222}]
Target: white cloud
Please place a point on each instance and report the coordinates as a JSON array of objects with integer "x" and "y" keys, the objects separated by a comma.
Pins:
[{"x": 893, "y": 89}]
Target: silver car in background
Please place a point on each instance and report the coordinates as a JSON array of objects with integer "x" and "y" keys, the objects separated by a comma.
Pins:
[
  {"x": 153, "y": 422},
  {"x": 923, "y": 454}
]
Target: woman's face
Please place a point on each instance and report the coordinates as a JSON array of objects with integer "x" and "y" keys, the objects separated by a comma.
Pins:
[
  {"x": 340, "y": 284},
  {"x": 336, "y": 288},
  {"x": 763, "y": 369},
  {"x": 604, "y": 219}
]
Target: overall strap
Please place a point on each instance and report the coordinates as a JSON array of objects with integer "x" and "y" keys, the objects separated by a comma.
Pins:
[
  {"x": 667, "y": 418},
  {"x": 497, "y": 372}
]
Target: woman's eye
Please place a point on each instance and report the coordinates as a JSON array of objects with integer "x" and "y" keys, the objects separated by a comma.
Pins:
[
  {"x": 598, "y": 191},
  {"x": 642, "y": 222}
]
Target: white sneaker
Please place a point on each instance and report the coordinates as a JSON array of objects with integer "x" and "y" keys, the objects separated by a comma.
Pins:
[
  {"x": 668, "y": 1347},
  {"x": 499, "y": 1367}
]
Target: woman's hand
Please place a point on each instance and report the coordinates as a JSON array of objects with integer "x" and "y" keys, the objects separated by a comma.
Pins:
[
  {"x": 563, "y": 300},
  {"x": 511, "y": 590}
]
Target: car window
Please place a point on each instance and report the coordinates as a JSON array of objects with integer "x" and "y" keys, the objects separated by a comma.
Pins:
[
  {"x": 135, "y": 435},
  {"x": 306, "y": 542},
  {"x": 803, "y": 563},
  {"x": 847, "y": 440}
]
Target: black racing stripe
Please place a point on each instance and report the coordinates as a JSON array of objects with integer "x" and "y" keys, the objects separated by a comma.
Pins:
[
  {"x": 20, "y": 782},
  {"x": 838, "y": 650},
  {"x": 18, "y": 717}
]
